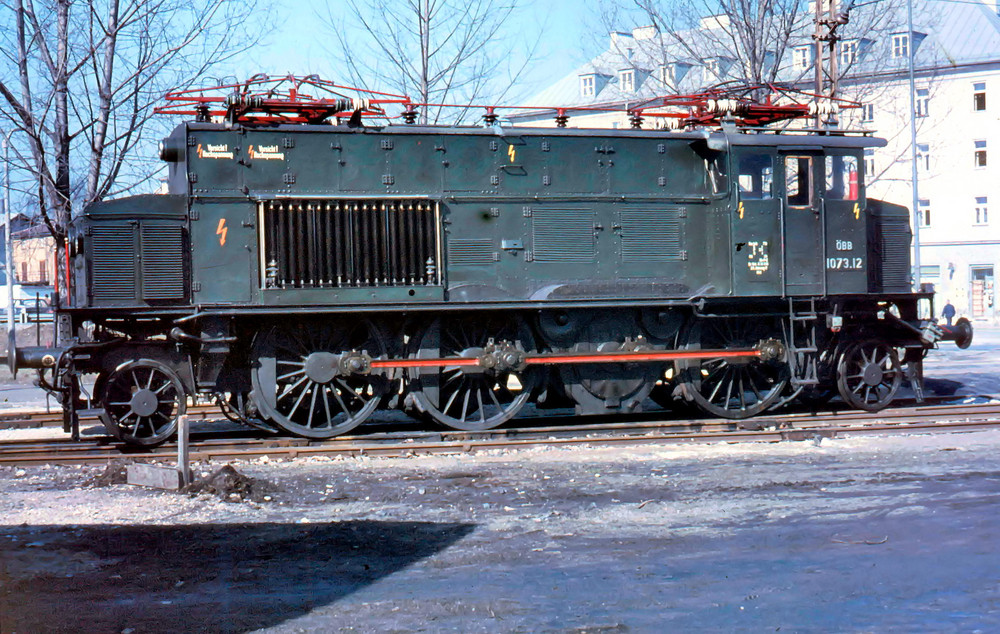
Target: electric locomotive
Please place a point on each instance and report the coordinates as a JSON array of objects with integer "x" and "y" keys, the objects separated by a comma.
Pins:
[{"x": 309, "y": 266}]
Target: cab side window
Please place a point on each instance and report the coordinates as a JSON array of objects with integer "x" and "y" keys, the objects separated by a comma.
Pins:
[
  {"x": 842, "y": 177},
  {"x": 756, "y": 177},
  {"x": 798, "y": 180}
]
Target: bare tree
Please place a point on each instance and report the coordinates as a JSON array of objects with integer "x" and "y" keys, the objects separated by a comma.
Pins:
[
  {"x": 437, "y": 51},
  {"x": 79, "y": 80}
]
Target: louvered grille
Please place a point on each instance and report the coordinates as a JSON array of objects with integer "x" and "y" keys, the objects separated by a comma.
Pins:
[
  {"x": 162, "y": 262},
  {"x": 346, "y": 243},
  {"x": 112, "y": 264},
  {"x": 563, "y": 235},
  {"x": 895, "y": 254},
  {"x": 470, "y": 252},
  {"x": 651, "y": 235}
]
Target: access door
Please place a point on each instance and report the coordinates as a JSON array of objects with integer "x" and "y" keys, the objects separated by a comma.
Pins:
[
  {"x": 756, "y": 223},
  {"x": 802, "y": 223}
]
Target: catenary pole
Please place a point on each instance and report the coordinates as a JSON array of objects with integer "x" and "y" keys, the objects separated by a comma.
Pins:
[{"x": 915, "y": 212}]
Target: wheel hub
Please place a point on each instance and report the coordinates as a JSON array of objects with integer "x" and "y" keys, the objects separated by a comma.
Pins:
[
  {"x": 144, "y": 402},
  {"x": 321, "y": 367},
  {"x": 872, "y": 374}
]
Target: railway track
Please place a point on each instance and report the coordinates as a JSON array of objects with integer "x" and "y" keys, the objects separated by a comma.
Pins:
[{"x": 556, "y": 432}]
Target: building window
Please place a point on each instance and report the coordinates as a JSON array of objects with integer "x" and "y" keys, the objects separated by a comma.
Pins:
[
  {"x": 923, "y": 156},
  {"x": 982, "y": 212},
  {"x": 848, "y": 52},
  {"x": 43, "y": 273},
  {"x": 930, "y": 272},
  {"x": 867, "y": 112},
  {"x": 24, "y": 273},
  {"x": 980, "y": 156},
  {"x": 626, "y": 80},
  {"x": 587, "y": 86},
  {"x": 924, "y": 212},
  {"x": 923, "y": 102},
  {"x": 901, "y": 45},
  {"x": 802, "y": 56},
  {"x": 869, "y": 164},
  {"x": 979, "y": 96}
]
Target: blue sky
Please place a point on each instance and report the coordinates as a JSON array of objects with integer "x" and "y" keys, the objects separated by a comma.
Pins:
[{"x": 298, "y": 39}]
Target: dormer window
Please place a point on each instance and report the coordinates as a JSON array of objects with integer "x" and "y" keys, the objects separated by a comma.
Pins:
[
  {"x": 849, "y": 52},
  {"x": 587, "y": 85},
  {"x": 901, "y": 45},
  {"x": 626, "y": 80},
  {"x": 672, "y": 74},
  {"x": 718, "y": 66},
  {"x": 802, "y": 56}
]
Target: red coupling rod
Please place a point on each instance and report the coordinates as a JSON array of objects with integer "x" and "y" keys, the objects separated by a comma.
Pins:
[{"x": 563, "y": 359}]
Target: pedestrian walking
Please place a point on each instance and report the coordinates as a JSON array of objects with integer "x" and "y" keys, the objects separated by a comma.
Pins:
[{"x": 948, "y": 312}]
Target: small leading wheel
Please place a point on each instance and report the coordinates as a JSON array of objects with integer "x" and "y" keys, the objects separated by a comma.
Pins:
[
  {"x": 142, "y": 401},
  {"x": 472, "y": 397},
  {"x": 734, "y": 387},
  {"x": 869, "y": 374},
  {"x": 312, "y": 380}
]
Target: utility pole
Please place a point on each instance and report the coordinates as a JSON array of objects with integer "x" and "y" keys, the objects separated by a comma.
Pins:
[
  {"x": 9, "y": 255},
  {"x": 826, "y": 58}
]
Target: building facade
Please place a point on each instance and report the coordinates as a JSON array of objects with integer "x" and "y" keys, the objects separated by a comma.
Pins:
[{"x": 956, "y": 57}]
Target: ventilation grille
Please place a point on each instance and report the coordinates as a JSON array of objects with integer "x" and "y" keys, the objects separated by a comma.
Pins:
[
  {"x": 347, "y": 243},
  {"x": 112, "y": 264},
  {"x": 651, "y": 235},
  {"x": 471, "y": 252},
  {"x": 563, "y": 235},
  {"x": 162, "y": 262},
  {"x": 895, "y": 255}
]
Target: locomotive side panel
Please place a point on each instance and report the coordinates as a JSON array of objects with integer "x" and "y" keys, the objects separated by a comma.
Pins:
[{"x": 224, "y": 248}]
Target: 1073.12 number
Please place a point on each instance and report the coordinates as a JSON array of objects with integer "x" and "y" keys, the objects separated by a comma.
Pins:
[{"x": 845, "y": 264}]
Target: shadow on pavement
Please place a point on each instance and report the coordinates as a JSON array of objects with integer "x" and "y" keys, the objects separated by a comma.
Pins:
[{"x": 205, "y": 578}]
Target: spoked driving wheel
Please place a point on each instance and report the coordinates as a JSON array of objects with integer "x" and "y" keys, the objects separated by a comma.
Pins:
[
  {"x": 734, "y": 387},
  {"x": 480, "y": 396},
  {"x": 315, "y": 380},
  {"x": 142, "y": 401},
  {"x": 869, "y": 374}
]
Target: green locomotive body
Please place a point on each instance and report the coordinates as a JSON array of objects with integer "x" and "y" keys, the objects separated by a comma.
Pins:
[{"x": 308, "y": 275}]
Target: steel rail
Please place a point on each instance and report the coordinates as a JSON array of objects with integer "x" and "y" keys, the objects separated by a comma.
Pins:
[{"x": 64, "y": 451}]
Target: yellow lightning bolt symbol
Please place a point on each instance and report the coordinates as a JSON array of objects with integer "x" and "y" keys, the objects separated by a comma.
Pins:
[
  {"x": 857, "y": 212},
  {"x": 221, "y": 231},
  {"x": 741, "y": 210},
  {"x": 511, "y": 153}
]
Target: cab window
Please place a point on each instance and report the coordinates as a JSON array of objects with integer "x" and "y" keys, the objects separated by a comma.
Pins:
[
  {"x": 756, "y": 177},
  {"x": 798, "y": 181},
  {"x": 842, "y": 178}
]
